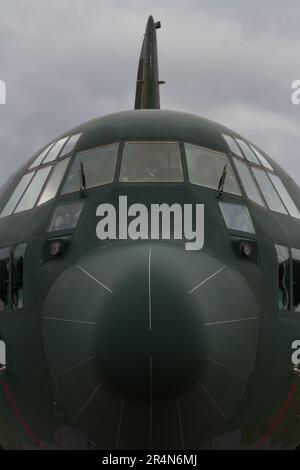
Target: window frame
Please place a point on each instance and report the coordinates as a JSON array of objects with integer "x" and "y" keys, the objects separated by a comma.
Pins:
[
  {"x": 229, "y": 149},
  {"x": 46, "y": 149},
  {"x": 64, "y": 141},
  {"x": 60, "y": 155},
  {"x": 239, "y": 141}
]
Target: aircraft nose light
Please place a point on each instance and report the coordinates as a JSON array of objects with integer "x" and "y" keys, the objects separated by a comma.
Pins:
[
  {"x": 55, "y": 249},
  {"x": 246, "y": 249}
]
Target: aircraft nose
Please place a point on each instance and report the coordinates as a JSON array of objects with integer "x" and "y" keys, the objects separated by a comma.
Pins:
[
  {"x": 151, "y": 338},
  {"x": 153, "y": 346}
]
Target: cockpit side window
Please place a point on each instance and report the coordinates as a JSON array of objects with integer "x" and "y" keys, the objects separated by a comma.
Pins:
[
  {"x": 98, "y": 166},
  {"x": 286, "y": 198},
  {"x": 70, "y": 144},
  {"x": 284, "y": 277},
  {"x": 205, "y": 168},
  {"x": 39, "y": 159},
  {"x": 4, "y": 278},
  {"x": 243, "y": 149},
  {"x": 66, "y": 216},
  {"x": 55, "y": 150},
  {"x": 33, "y": 190},
  {"x": 248, "y": 182},
  {"x": 260, "y": 157},
  {"x": 6, "y": 185},
  {"x": 270, "y": 185},
  {"x": 248, "y": 152},
  {"x": 146, "y": 162},
  {"x": 269, "y": 192},
  {"x": 17, "y": 276},
  {"x": 17, "y": 194},
  {"x": 233, "y": 146},
  {"x": 53, "y": 161},
  {"x": 236, "y": 217},
  {"x": 54, "y": 181}
]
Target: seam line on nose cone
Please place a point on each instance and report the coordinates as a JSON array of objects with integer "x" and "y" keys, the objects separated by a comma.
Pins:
[
  {"x": 230, "y": 321},
  {"x": 212, "y": 399},
  {"x": 88, "y": 401},
  {"x": 220, "y": 364},
  {"x": 206, "y": 280},
  {"x": 78, "y": 364},
  {"x": 180, "y": 424},
  {"x": 94, "y": 279},
  {"x": 120, "y": 423}
]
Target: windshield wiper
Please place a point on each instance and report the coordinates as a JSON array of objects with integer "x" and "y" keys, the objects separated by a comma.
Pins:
[
  {"x": 82, "y": 180},
  {"x": 222, "y": 182}
]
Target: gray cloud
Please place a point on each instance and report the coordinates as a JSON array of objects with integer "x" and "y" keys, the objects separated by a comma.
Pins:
[{"x": 67, "y": 61}]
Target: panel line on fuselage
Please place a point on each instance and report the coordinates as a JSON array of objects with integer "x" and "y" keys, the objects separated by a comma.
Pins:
[
  {"x": 120, "y": 423},
  {"x": 88, "y": 401},
  {"x": 206, "y": 280},
  {"x": 226, "y": 367},
  {"x": 91, "y": 323},
  {"x": 180, "y": 424},
  {"x": 212, "y": 399},
  {"x": 78, "y": 364},
  {"x": 94, "y": 279},
  {"x": 230, "y": 321}
]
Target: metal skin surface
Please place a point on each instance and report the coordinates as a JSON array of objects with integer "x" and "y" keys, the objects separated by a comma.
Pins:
[{"x": 140, "y": 344}]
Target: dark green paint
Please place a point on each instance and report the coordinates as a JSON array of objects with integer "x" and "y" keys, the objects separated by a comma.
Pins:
[{"x": 134, "y": 387}]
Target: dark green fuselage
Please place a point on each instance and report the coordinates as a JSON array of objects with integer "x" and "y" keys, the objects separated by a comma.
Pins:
[{"x": 147, "y": 387}]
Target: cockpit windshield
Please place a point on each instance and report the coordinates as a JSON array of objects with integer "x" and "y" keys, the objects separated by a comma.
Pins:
[{"x": 145, "y": 162}]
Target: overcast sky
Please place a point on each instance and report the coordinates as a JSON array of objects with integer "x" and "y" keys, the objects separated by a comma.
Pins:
[{"x": 67, "y": 61}]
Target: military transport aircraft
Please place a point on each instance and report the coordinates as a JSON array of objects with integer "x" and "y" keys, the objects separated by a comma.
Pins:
[{"x": 141, "y": 344}]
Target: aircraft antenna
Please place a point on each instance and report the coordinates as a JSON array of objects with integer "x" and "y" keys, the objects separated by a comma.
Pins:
[{"x": 147, "y": 84}]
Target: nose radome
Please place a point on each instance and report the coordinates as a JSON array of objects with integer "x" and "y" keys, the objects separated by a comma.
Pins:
[
  {"x": 150, "y": 336},
  {"x": 150, "y": 345}
]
